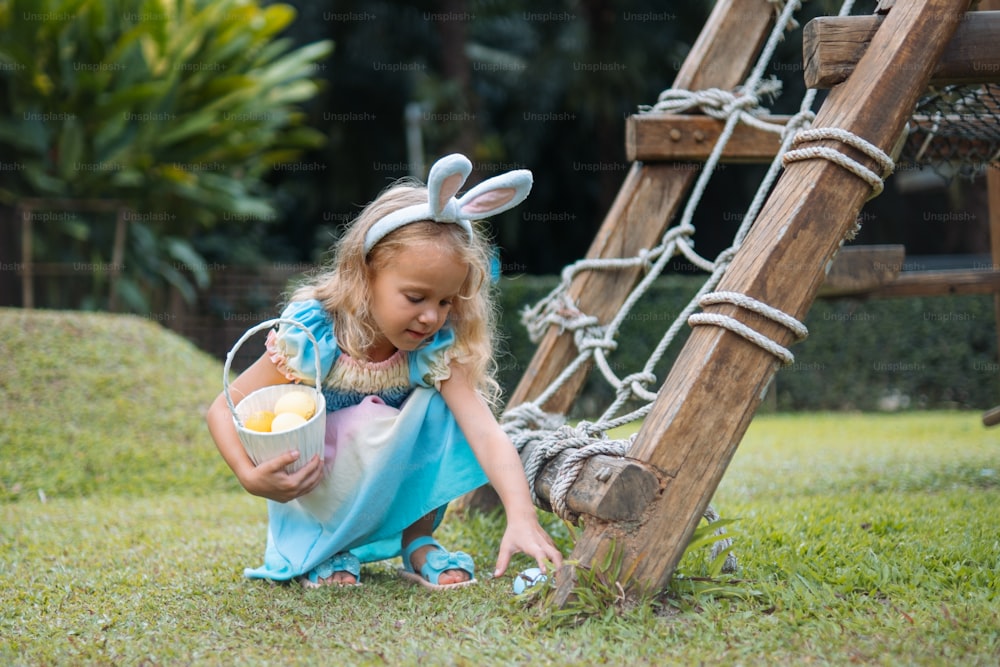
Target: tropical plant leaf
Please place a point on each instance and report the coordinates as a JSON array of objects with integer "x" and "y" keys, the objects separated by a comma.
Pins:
[
  {"x": 170, "y": 107},
  {"x": 184, "y": 253}
]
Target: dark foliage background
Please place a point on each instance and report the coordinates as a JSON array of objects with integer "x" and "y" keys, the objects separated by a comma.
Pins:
[{"x": 546, "y": 86}]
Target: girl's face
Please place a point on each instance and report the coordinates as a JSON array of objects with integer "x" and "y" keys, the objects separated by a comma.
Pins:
[{"x": 412, "y": 297}]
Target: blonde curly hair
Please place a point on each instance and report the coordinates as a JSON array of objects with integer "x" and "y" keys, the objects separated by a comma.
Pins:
[{"x": 344, "y": 285}]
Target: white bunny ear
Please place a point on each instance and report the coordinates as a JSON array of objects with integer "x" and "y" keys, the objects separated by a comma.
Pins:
[
  {"x": 495, "y": 195},
  {"x": 446, "y": 178}
]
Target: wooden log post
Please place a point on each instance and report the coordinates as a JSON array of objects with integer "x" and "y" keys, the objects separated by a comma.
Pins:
[
  {"x": 832, "y": 46},
  {"x": 649, "y": 198},
  {"x": 611, "y": 488},
  {"x": 992, "y": 417},
  {"x": 719, "y": 379}
]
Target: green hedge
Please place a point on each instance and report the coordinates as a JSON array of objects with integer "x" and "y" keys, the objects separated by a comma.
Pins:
[{"x": 882, "y": 354}]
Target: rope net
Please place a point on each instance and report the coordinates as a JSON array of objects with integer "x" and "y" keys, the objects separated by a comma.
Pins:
[{"x": 955, "y": 131}]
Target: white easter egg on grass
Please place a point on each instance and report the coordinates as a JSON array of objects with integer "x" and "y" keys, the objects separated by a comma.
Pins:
[{"x": 528, "y": 578}]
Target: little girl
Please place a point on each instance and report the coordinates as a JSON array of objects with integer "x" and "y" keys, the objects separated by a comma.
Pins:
[{"x": 404, "y": 327}]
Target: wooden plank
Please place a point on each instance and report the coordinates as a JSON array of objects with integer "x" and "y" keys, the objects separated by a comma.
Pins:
[
  {"x": 832, "y": 46},
  {"x": 681, "y": 137},
  {"x": 863, "y": 268},
  {"x": 650, "y": 196},
  {"x": 719, "y": 379},
  {"x": 938, "y": 283},
  {"x": 684, "y": 137},
  {"x": 728, "y": 44}
]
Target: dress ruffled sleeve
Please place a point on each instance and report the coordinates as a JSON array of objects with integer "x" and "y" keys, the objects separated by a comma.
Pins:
[
  {"x": 431, "y": 364},
  {"x": 290, "y": 349}
]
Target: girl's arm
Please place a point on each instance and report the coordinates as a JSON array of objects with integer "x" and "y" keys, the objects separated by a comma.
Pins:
[
  {"x": 269, "y": 479},
  {"x": 502, "y": 465}
]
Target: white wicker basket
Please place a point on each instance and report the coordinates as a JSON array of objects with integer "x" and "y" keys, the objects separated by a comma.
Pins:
[{"x": 308, "y": 438}]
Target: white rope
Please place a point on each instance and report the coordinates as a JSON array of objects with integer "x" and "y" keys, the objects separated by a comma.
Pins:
[
  {"x": 839, "y": 158},
  {"x": 779, "y": 10},
  {"x": 720, "y": 104},
  {"x": 550, "y": 444},
  {"x": 573, "y": 465},
  {"x": 741, "y": 329}
]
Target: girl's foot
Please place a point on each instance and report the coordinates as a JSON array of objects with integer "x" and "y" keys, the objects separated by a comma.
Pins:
[
  {"x": 343, "y": 569},
  {"x": 427, "y": 563}
]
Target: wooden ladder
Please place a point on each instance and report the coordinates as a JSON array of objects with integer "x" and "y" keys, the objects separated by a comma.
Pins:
[{"x": 719, "y": 379}]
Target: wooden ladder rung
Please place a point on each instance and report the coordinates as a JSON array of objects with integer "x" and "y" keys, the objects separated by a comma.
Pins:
[
  {"x": 940, "y": 283},
  {"x": 655, "y": 137}
]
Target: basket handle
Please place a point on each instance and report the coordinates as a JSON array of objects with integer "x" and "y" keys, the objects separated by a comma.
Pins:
[{"x": 267, "y": 324}]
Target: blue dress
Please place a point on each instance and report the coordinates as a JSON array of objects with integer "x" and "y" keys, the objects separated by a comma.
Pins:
[{"x": 393, "y": 451}]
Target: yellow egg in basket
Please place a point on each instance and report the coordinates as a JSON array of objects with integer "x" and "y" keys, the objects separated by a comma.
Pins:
[
  {"x": 297, "y": 402},
  {"x": 286, "y": 421},
  {"x": 260, "y": 421}
]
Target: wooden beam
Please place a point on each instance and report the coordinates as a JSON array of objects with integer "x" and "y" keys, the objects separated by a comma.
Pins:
[
  {"x": 683, "y": 137},
  {"x": 727, "y": 45},
  {"x": 612, "y": 488},
  {"x": 858, "y": 269},
  {"x": 875, "y": 272},
  {"x": 992, "y": 417},
  {"x": 26, "y": 208},
  {"x": 938, "y": 283},
  {"x": 993, "y": 206},
  {"x": 719, "y": 379},
  {"x": 832, "y": 46},
  {"x": 27, "y": 266}
]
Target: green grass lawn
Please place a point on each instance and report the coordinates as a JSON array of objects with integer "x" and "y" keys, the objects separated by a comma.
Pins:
[{"x": 868, "y": 539}]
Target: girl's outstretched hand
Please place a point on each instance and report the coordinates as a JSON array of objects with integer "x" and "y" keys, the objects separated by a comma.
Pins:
[
  {"x": 526, "y": 536},
  {"x": 270, "y": 480}
]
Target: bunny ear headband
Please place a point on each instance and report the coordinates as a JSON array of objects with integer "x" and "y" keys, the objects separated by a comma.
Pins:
[{"x": 492, "y": 196}]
